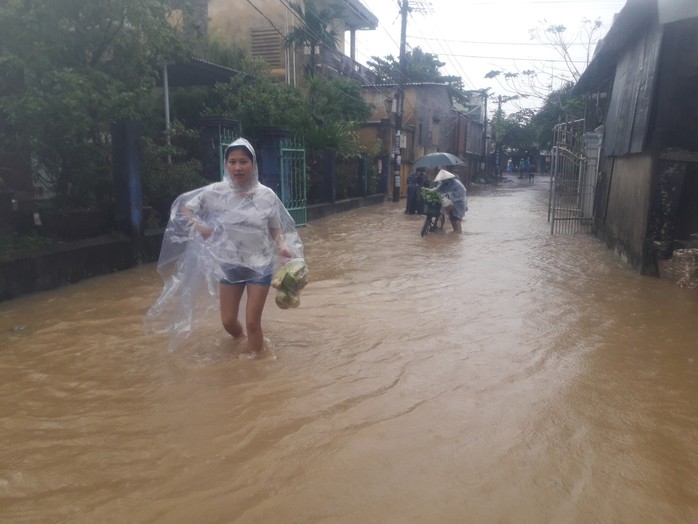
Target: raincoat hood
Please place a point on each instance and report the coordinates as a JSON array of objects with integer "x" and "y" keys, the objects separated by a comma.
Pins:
[{"x": 244, "y": 143}]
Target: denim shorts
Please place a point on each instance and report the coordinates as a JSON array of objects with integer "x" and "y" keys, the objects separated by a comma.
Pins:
[{"x": 240, "y": 276}]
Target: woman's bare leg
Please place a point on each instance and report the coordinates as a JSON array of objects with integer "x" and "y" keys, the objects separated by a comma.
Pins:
[
  {"x": 256, "y": 298},
  {"x": 230, "y": 296}
]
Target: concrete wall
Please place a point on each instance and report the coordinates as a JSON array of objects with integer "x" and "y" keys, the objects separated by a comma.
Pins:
[
  {"x": 72, "y": 262},
  {"x": 625, "y": 225}
]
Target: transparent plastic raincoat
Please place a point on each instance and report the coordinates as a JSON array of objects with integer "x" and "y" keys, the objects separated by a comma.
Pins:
[
  {"x": 455, "y": 191},
  {"x": 220, "y": 231}
]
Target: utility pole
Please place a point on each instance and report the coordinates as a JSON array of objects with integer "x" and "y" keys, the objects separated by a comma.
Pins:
[
  {"x": 495, "y": 138},
  {"x": 484, "y": 133},
  {"x": 404, "y": 9}
]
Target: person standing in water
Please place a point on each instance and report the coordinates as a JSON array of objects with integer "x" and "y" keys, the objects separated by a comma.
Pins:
[
  {"x": 236, "y": 232},
  {"x": 453, "y": 189}
]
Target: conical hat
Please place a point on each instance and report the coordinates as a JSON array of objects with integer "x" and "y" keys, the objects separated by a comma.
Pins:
[{"x": 443, "y": 175}]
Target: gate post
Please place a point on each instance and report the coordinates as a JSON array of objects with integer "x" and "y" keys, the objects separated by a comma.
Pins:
[
  {"x": 363, "y": 175},
  {"x": 127, "y": 176},
  {"x": 329, "y": 168},
  {"x": 216, "y": 133},
  {"x": 270, "y": 158}
]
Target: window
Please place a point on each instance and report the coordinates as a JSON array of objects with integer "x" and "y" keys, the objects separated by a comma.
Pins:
[{"x": 267, "y": 45}]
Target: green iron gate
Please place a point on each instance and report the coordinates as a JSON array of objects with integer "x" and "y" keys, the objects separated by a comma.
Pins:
[
  {"x": 227, "y": 136},
  {"x": 293, "y": 180}
]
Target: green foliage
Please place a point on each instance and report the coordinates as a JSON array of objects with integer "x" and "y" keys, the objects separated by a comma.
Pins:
[
  {"x": 234, "y": 57},
  {"x": 325, "y": 115},
  {"x": 315, "y": 29},
  {"x": 419, "y": 67},
  {"x": 336, "y": 99},
  {"x": 431, "y": 197},
  {"x": 169, "y": 169},
  {"x": 76, "y": 68},
  {"x": 559, "y": 106},
  {"x": 13, "y": 246},
  {"x": 331, "y": 115},
  {"x": 514, "y": 132},
  {"x": 257, "y": 102}
]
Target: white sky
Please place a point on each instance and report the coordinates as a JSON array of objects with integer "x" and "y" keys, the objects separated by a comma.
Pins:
[{"x": 474, "y": 37}]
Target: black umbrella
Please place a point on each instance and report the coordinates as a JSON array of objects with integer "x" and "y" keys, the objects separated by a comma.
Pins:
[{"x": 437, "y": 160}]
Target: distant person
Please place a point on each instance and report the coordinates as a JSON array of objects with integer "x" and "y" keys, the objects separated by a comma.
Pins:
[
  {"x": 411, "y": 206},
  {"x": 422, "y": 181},
  {"x": 510, "y": 167},
  {"x": 532, "y": 171}
]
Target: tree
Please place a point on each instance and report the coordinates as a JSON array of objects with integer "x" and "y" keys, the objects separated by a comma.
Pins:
[
  {"x": 538, "y": 82},
  {"x": 257, "y": 102},
  {"x": 419, "y": 67},
  {"x": 515, "y": 133},
  {"x": 334, "y": 108},
  {"x": 77, "y": 68},
  {"x": 315, "y": 28},
  {"x": 559, "y": 106}
]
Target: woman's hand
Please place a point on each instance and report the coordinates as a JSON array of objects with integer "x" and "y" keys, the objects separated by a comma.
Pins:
[
  {"x": 284, "y": 251},
  {"x": 204, "y": 230},
  {"x": 281, "y": 247}
]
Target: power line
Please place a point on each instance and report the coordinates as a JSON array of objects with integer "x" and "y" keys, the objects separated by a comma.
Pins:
[
  {"x": 519, "y": 58},
  {"x": 539, "y": 44}
]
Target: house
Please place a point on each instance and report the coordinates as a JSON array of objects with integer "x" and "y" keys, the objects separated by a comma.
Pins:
[
  {"x": 262, "y": 27},
  {"x": 640, "y": 91},
  {"x": 428, "y": 124},
  {"x": 466, "y": 140}
]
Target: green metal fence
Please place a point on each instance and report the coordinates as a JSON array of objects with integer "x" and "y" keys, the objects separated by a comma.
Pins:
[{"x": 293, "y": 180}]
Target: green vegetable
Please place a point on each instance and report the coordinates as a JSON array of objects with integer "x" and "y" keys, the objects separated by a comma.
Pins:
[
  {"x": 287, "y": 299},
  {"x": 292, "y": 277},
  {"x": 289, "y": 281},
  {"x": 431, "y": 197}
]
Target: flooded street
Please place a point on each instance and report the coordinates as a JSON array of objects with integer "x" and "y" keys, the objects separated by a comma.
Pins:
[{"x": 501, "y": 376}]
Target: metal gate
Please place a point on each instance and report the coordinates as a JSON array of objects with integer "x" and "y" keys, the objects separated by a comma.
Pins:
[
  {"x": 293, "y": 180},
  {"x": 572, "y": 182},
  {"x": 227, "y": 137}
]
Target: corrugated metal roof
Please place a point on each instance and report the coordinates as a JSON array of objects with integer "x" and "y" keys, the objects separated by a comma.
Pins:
[
  {"x": 359, "y": 16},
  {"x": 197, "y": 72}
]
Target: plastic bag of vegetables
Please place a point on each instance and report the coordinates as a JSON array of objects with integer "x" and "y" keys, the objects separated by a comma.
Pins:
[{"x": 289, "y": 281}]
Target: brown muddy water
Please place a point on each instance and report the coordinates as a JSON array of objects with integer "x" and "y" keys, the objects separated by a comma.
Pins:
[{"x": 501, "y": 376}]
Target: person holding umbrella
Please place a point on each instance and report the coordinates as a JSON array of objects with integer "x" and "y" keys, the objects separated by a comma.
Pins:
[
  {"x": 415, "y": 182},
  {"x": 453, "y": 193}
]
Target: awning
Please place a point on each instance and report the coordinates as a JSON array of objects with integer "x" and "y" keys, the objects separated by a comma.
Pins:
[
  {"x": 195, "y": 72},
  {"x": 358, "y": 17}
]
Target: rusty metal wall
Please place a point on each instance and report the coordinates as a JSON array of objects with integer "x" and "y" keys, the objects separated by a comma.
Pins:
[{"x": 629, "y": 110}]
